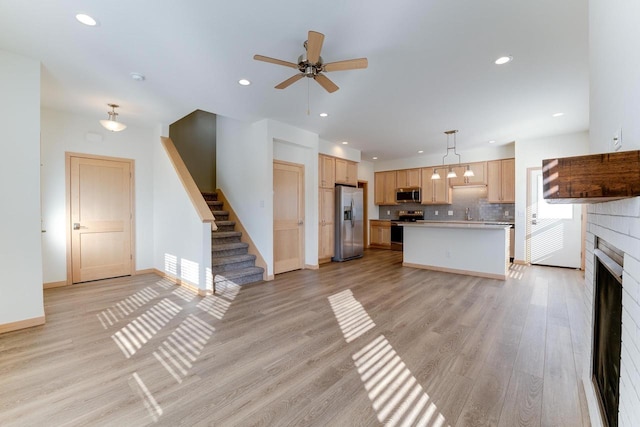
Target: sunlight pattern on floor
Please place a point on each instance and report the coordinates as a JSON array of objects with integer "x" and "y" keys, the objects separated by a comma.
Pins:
[
  {"x": 351, "y": 315},
  {"x": 184, "y": 294},
  {"x": 166, "y": 284},
  {"x": 122, "y": 309},
  {"x": 214, "y": 305},
  {"x": 147, "y": 398},
  {"x": 140, "y": 330},
  {"x": 226, "y": 288},
  {"x": 181, "y": 349},
  {"x": 397, "y": 397},
  {"x": 516, "y": 271}
]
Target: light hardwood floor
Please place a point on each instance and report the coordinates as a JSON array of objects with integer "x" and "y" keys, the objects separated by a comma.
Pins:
[{"x": 359, "y": 343}]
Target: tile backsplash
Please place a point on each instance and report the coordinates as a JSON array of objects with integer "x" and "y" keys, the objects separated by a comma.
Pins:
[{"x": 474, "y": 198}]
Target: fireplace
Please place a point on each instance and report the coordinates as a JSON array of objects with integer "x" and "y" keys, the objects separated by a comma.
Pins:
[{"x": 607, "y": 329}]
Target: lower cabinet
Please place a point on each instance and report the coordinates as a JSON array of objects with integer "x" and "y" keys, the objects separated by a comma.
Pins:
[{"x": 380, "y": 233}]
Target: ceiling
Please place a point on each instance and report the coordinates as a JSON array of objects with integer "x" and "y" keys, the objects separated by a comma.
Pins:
[{"x": 431, "y": 65}]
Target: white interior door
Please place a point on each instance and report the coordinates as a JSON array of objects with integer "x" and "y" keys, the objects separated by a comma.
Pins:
[{"x": 555, "y": 232}]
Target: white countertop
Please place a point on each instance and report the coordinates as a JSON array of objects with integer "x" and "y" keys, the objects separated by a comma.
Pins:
[{"x": 456, "y": 224}]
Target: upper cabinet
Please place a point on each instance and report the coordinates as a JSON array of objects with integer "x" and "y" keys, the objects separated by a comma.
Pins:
[
  {"x": 385, "y": 188},
  {"x": 435, "y": 191},
  {"x": 346, "y": 172},
  {"x": 326, "y": 171},
  {"x": 479, "y": 175},
  {"x": 501, "y": 181},
  {"x": 408, "y": 178}
]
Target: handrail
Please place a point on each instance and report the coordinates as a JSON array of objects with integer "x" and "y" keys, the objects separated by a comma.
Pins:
[{"x": 188, "y": 183}]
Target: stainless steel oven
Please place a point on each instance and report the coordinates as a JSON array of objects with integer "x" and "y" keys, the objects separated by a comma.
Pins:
[{"x": 397, "y": 230}]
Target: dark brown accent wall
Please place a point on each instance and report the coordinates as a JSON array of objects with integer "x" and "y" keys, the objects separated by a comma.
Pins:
[{"x": 194, "y": 136}]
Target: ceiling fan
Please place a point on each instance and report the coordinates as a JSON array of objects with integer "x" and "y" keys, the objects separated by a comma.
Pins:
[{"x": 310, "y": 64}]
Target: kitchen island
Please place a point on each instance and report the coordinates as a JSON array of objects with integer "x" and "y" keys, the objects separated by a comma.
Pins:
[{"x": 475, "y": 249}]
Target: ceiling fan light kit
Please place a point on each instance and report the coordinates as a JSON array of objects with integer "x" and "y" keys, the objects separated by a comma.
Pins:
[{"x": 310, "y": 64}]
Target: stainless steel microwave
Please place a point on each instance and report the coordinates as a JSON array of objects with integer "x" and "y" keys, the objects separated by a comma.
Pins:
[{"x": 408, "y": 195}]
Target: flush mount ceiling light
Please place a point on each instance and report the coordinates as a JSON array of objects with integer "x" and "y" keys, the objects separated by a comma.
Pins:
[
  {"x": 451, "y": 173},
  {"x": 324, "y": 115},
  {"x": 503, "y": 60},
  {"x": 111, "y": 123},
  {"x": 345, "y": 142},
  {"x": 493, "y": 141},
  {"x": 557, "y": 115},
  {"x": 86, "y": 20},
  {"x": 420, "y": 151},
  {"x": 139, "y": 77},
  {"x": 244, "y": 82}
]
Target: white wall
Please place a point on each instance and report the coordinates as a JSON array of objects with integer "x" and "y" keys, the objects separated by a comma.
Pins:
[
  {"x": 530, "y": 153},
  {"x": 20, "y": 244},
  {"x": 339, "y": 150},
  {"x": 245, "y": 174},
  {"x": 65, "y": 132},
  {"x": 614, "y": 60},
  {"x": 366, "y": 173},
  {"x": 182, "y": 243},
  {"x": 419, "y": 161}
]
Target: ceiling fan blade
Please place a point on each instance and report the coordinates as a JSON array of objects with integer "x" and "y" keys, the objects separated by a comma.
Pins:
[
  {"x": 349, "y": 64},
  {"x": 327, "y": 84},
  {"x": 289, "y": 81},
  {"x": 314, "y": 46},
  {"x": 275, "y": 61}
]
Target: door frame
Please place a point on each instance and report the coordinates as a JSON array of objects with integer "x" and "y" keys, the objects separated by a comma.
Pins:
[
  {"x": 68, "y": 232},
  {"x": 304, "y": 206},
  {"x": 365, "y": 210}
]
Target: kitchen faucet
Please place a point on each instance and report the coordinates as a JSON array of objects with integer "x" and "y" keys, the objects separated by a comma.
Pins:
[{"x": 467, "y": 215}]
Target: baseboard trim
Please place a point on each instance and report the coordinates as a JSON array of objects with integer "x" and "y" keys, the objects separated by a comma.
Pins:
[
  {"x": 22, "y": 324},
  {"x": 520, "y": 262},
  {"x": 311, "y": 266},
  {"x": 181, "y": 282},
  {"x": 145, "y": 271},
  {"x": 51, "y": 285},
  {"x": 455, "y": 271}
]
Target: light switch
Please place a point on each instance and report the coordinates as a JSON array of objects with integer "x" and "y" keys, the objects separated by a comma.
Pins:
[
  {"x": 436, "y": 213},
  {"x": 450, "y": 213}
]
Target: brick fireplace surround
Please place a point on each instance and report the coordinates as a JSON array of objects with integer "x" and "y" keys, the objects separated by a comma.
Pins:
[{"x": 618, "y": 223}]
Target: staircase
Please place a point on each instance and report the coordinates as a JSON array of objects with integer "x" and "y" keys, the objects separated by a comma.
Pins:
[{"x": 230, "y": 260}]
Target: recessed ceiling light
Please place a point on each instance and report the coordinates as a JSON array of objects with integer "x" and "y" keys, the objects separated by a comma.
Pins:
[
  {"x": 420, "y": 151},
  {"x": 557, "y": 115},
  {"x": 493, "y": 141},
  {"x": 324, "y": 115},
  {"x": 503, "y": 60},
  {"x": 137, "y": 77},
  {"x": 244, "y": 82},
  {"x": 345, "y": 142},
  {"x": 86, "y": 20},
  {"x": 374, "y": 158}
]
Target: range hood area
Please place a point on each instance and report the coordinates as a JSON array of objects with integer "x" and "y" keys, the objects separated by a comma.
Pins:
[{"x": 592, "y": 179}]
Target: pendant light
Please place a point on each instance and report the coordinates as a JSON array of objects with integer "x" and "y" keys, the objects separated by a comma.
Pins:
[
  {"x": 452, "y": 173},
  {"x": 111, "y": 123}
]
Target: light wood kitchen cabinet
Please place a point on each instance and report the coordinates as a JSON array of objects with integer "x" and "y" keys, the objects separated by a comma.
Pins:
[
  {"x": 435, "y": 191},
  {"x": 380, "y": 233},
  {"x": 479, "y": 174},
  {"x": 346, "y": 172},
  {"x": 385, "y": 188},
  {"x": 408, "y": 178},
  {"x": 326, "y": 224},
  {"x": 326, "y": 171},
  {"x": 501, "y": 181}
]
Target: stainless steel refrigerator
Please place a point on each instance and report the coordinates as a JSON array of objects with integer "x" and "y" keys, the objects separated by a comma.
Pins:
[{"x": 349, "y": 223}]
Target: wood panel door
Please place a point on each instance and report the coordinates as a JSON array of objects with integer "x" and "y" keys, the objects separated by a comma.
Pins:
[
  {"x": 101, "y": 218},
  {"x": 288, "y": 217}
]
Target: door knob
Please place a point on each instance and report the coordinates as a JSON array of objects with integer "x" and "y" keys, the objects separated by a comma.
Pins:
[
  {"x": 76, "y": 226},
  {"x": 300, "y": 222}
]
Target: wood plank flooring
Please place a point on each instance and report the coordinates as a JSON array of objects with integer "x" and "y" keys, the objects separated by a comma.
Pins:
[{"x": 443, "y": 350}]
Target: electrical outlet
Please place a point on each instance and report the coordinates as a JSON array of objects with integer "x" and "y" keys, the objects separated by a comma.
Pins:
[
  {"x": 450, "y": 213},
  {"x": 436, "y": 213},
  {"x": 617, "y": 140},
  {"x": 388, "y": 212},
  {"x": 506, "y": 213}
]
